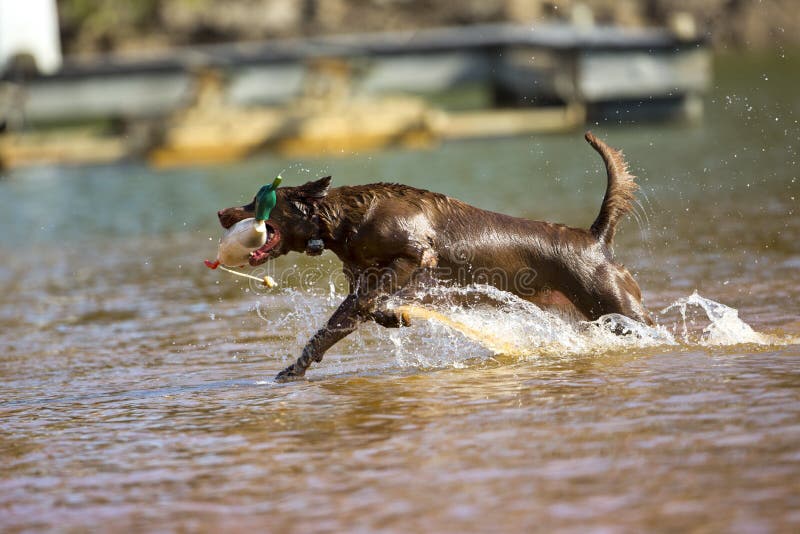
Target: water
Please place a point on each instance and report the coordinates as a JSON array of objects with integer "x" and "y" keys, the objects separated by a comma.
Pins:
[{"x": 137, "y": 392}]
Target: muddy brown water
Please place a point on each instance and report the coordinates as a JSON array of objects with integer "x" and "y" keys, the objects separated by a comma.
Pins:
[{"x": 136, "y": 387}]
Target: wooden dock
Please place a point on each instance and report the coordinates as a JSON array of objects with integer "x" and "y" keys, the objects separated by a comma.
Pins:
[
  {"x": 341, "y": 94},
  {"x": 520, "y": 66}
]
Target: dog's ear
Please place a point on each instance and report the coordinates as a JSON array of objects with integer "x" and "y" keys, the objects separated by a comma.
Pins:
[{"x": 316, "y": 189}]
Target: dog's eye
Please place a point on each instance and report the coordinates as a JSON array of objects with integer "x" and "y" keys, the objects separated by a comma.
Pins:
[{"x": 299, "y": 206}]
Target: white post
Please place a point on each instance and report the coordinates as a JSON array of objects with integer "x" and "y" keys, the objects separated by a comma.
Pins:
[{"x": 30, "y": 27}]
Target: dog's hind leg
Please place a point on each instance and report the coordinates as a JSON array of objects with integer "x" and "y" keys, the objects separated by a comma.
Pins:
[{"x": 612, "y": 290}]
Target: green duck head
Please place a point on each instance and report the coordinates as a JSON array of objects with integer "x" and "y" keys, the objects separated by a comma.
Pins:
[{"x": 266, "y": 199}]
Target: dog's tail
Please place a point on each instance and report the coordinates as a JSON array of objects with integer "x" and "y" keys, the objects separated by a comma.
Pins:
[{"x": 620, "y": 191}]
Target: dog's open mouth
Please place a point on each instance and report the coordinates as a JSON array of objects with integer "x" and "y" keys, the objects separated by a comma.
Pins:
[{"x": 264, "y": 252}]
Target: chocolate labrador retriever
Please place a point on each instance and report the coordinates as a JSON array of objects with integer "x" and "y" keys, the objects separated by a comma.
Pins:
[{"x": 390, "y": 237}]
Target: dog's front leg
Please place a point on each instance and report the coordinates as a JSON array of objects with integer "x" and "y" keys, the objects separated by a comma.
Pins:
[
  {"x": 343, "y": 322},
  {"x": 367, "y": 289}
]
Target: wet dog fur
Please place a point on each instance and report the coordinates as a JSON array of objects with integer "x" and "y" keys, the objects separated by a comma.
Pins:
[{"x": 391, "y": 237}]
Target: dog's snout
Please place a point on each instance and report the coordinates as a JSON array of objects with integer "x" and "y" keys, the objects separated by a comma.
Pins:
[{"x": 219, "y": 214}]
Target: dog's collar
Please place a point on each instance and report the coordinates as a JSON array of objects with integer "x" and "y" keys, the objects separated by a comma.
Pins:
[{"x": 315, "y": 246}]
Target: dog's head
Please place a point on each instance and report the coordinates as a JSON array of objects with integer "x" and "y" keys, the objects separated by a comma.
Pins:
[{"x": 290, "y": 224}]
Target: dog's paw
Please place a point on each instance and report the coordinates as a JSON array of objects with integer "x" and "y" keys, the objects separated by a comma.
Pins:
[
  {"x": 391, "y": 318},
  {"x": 290, "y": 374}
]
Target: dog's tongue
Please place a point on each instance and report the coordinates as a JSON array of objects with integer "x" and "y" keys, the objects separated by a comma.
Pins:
[{"x": 260, "y": 255}]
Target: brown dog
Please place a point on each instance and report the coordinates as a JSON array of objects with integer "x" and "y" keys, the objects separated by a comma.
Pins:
[{"x": 389, "y": 236}]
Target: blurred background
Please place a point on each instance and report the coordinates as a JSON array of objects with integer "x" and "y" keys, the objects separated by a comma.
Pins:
[
  {"x": 93, "y": 81},
  {"x": 135, "y": 384}
]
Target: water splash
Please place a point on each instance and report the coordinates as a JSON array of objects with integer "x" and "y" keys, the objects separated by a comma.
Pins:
[
  {"x": 503, "y": 324},
  {"x": 725, "y": 327},
  {"x": 509, "y": 326},
  {"x": 481, "y": 323}
]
